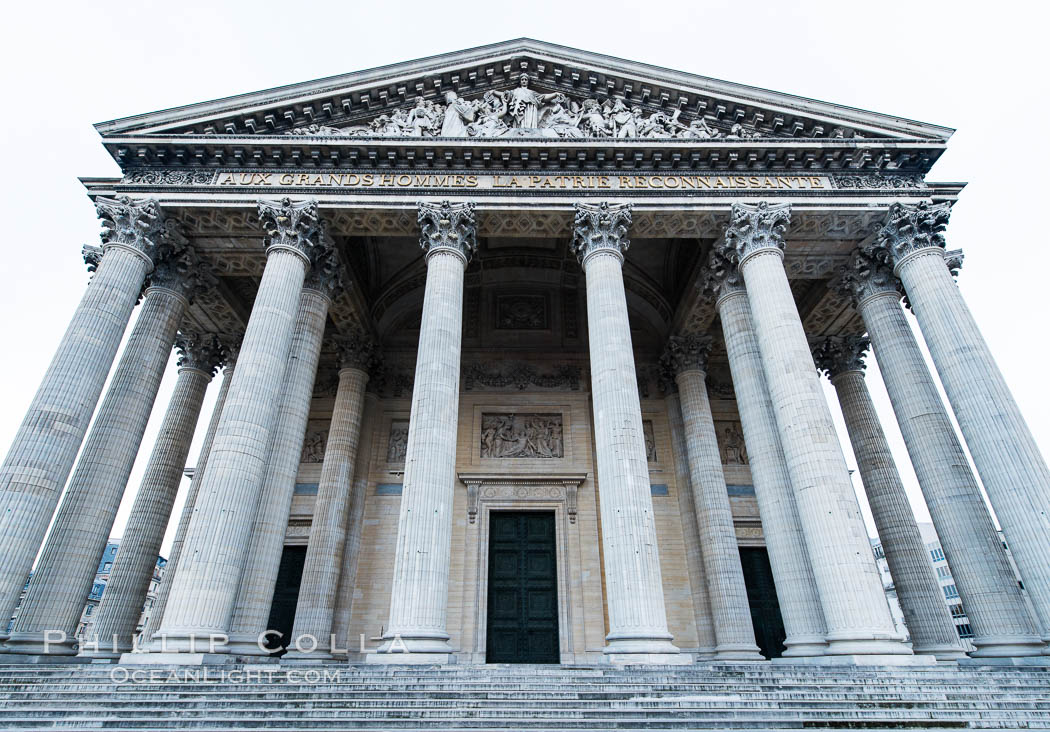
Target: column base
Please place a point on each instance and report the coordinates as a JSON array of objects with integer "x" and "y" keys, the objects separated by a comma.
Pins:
[
  {"x": 12, "y": 659},
  {"x": 805, "y": 648},
  {"x": 941, "y": 653},
  {"x": 737, "y": 652},
  {"x": 35, "y": 644},
  {"x": 176, "y": 659},
  {"x": 866, "y": 645},
  {"x": 645, "y": 650},
  {"x": 294, "y": 656},
  {"x": 647, "y": 659},
  {"x": 871, "y": 659},
  {"x": 1041, "y": 661},
  {"x": 191, "y": 642},
  {"x": 1011, "y": 646},
  {"x": 245, "y": 644},
  {"x": 412, "y": 658}
]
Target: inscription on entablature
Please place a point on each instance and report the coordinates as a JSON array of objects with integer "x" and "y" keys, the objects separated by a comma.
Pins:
[{"x": 522, "y": 436}]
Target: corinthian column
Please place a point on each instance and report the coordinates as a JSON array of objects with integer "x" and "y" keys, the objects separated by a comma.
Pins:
[
  {"x": 46, "y": 444},
  {"x": 925, "y": 612},
  {"x": 351, "y": 549},
  {"x": 419, "y": 595},
  {"x": 1013, "y": 470},
  {"x": 792, "y": 575},
  {"x": 113, "y": 625},
  {"x": 312, "y": 631},
  {"x": 259, "y": 578},
  {"x": 994, "y": 604},
  {"x": 62, "y": 580},
  {"x": 205, "y": 586},
  {"x": 229, "y": 350},
  {"x": 855, "y": 611},
  {"x": 637, "y": 619},
  {"x": 686, "y": 358}
]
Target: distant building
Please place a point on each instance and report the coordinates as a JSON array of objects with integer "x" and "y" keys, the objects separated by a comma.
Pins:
[{"x": 944, "y": 578}]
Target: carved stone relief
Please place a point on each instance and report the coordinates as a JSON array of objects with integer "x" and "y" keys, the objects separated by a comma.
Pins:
[
  {"x": 520, "y": 376},
  {"x": 522, "y": 436},
  {"x": 522, "y": 312},
  {"x": 650, "y": 440},
  {"x": 314, "y": 446},
  {"x": 397, "y": 444},
  {"x": 731, "y": 443}
]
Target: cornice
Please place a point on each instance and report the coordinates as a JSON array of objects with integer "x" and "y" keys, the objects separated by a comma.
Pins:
[
  {"x": 280, "y": 152},
  {"x": 339, "y": 98}
]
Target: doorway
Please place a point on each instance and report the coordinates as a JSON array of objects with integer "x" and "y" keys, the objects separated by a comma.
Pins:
[
  {"x": 285, "y": 597},
  {"x": 522, "y": 588},
  {"x": 762, "y": 597}
]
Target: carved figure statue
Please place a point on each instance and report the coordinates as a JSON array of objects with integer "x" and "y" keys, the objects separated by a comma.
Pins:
[
  {"x": 699, "y": 129},
  {"x": 560, "y": 119},
  {"x": 397, "y": 447},
  {"x": 739, "y": 132},
  {"x": 524, "y": 104},
  {"x": 734, "y": 450},
  {"x": 458, "y": 114},
  {"x": 521, "y": 436},
  {"x": 489, "y": 116},
  {"x": 593, "y": 122},
  {"x": 313, "y": 447}
]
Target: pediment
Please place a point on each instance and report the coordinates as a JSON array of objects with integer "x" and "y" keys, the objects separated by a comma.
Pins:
[{"x": 566, "y": 94}]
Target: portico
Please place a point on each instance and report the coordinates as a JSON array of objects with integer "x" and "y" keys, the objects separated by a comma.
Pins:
[{"x": 538, "y": 361}]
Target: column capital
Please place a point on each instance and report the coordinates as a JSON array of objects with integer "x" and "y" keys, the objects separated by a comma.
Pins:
[
  {"x": 865, "y": 276},
  {"x": 722, "y": 277},
  {"x": 293, "y": 225},
  {"x": 92, "y": 256},
  {"x": 686, "y": 353},
  {"x": 754, "y": 228},
  {"x": 231, "y": 346},
  {"x": 133, "y": 223},
  {"x": 910, "y": 228},
  {"x": 447, "y": 227},
  {"x": 835, "y": 355},
  {"x": 182, "y": 271},
  {"x": 601, "y": 227},
  {"x": 357, "y": 350},
  {"x": 326, "y": 274},
  {"x": 200, "y": 351}
]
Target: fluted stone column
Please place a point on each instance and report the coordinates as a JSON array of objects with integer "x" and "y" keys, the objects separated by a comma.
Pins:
[
  {"x": 205, "y": 587},
  {"x": 686, "y": 358},
  {"x": 637, "y": 618},
  {"x": 315, "y": 610},
  {"x": 419, "y": 594},
  {"x": 66, "y": 570},
  {"x": 229, "y": 350},
  {"x": 113, "y": 626},
  {"x": 796, "y": 588},
  {"x": 1013, "y": 470},
  {"x": 922, "y": 601},
  {"x": 994, "y": 604},
  {"x": 354, "y": 526},
  {"x": 856, "y": 615},
  {"x": 259, "y": 578},
  {"x": 705, "y": 629},
  {"x": 46, "y": 444}
]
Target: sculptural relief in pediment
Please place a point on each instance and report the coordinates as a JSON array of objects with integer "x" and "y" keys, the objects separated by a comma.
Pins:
[{"x": 524, "y": 112}]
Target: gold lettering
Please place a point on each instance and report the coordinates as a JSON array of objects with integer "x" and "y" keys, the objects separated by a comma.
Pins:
[
  {"x": 705, "y": 181},
  {"x": 603, "y": 181},
  {"x": 386, "y": 179},
  {"x": 690, "y": 182},
  {"x": 641, "y": 182},
  {"x": 227, "y": 180},
  {"x": 783, "y": 182},
  {"x": 816, "y": 183},
  {"x": 577, "y": 182},
  {"x": 472, "y": 181},
  {"x": 753, "y": 182},
  {"x": 676, "y": 179},
  {"x": 285, "y": 179},
  {"x": 367, "y": 179},
  {"x": 302, "y": 179},
  {"x": 719, "y": 183},
  {"x": 769, "y": 183},
  {"x": 654, "y": 180},
  {"x": 625, "y": 181}
]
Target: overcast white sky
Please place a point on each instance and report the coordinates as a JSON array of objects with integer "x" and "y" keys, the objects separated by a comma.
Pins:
[{"x": 978, "y": 67}]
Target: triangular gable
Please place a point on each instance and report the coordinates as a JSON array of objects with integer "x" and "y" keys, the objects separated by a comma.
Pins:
[{"x": 568, "y": 94}]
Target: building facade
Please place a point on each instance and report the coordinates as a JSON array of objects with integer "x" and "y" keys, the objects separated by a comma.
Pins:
[{"x": 519, "y": 352}]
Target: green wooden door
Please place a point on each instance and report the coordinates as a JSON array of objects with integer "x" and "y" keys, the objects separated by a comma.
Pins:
[{"x": 523, "y": 589}]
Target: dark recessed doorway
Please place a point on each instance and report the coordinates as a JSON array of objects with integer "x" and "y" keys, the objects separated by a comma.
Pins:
[{"x": 523, "y": 588}]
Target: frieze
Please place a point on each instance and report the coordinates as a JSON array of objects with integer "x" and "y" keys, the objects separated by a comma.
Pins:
[
  {"x": 878, "y": 181},
  {"x": 170, "y": 177},
  {"x": 522, "y": 312},
  {"x": 537, "y": 436},
  {"x": 520, "y": 376}
]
